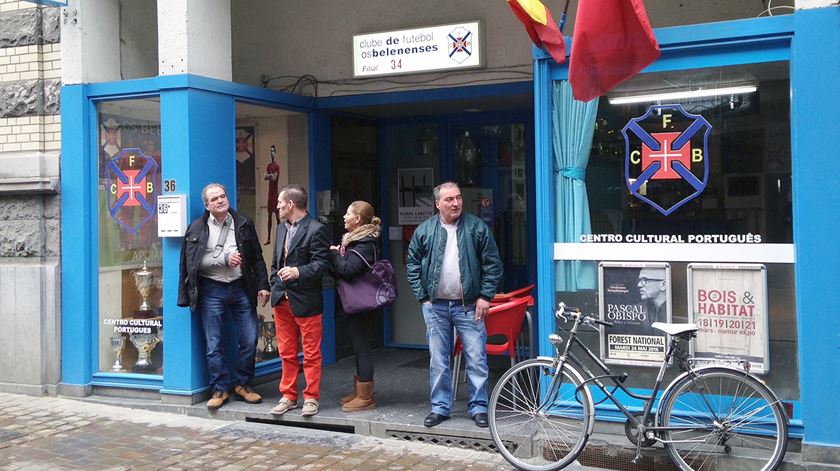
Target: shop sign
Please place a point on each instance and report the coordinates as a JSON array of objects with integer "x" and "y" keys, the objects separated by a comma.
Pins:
[
  {"x": 416, "y": 201},
  {"x": 729, "y": 305},
  {"x": 665, "y": 160},
  {"x": 132, "y": 188},
  {"x": 426, "y": 49},
  {"x": 632, "y": 296}
]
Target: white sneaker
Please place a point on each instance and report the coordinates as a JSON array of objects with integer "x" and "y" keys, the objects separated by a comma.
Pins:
[
  {"x": 310, "y": 408},
  {"x": 285, "y": 405}
]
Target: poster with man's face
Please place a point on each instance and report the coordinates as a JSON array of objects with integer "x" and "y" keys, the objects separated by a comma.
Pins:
[{"x": 632, "y": 297}]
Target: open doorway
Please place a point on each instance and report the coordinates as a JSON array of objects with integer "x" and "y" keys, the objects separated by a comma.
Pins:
[{"x": 355, "y": 176}]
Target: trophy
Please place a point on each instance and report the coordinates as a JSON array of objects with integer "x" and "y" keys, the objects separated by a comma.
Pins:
[
  {"x": 144, "y": 343},
  {"x": 118, "y": 345},
  {"x": 468, "y": 155},
  {"x": 269, "y": 332},
  {"x": 159, "y": 286},
  {"x": 144, "y": 280}
]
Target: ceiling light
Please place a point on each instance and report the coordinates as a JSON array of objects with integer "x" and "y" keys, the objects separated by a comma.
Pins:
[{"x": 674, "y": 96}]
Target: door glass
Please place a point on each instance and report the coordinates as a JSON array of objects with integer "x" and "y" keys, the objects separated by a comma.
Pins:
[
  {"x": 490, "y": 168},
  {"x": 411, "y": 151},
  {"x": 130, "y": 289}
]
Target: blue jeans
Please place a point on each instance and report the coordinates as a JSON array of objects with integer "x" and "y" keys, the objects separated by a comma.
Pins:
[
  {"x": 216, "y": 300},
  {"x": 441, "y": 316}
]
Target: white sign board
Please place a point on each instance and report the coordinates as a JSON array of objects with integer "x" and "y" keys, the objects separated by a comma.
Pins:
[
  {"x": 453, "y": 46},
  {"x": 172, "y": 215},
  {"x": 729, "y": 305},
  {"x": 416, "y": 201}
]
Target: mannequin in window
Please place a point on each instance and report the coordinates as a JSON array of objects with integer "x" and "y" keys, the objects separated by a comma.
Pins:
[{"x": 272, "y": 173}]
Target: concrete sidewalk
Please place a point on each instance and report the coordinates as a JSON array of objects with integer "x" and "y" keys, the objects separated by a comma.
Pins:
[{"x": 39, "y": 433}]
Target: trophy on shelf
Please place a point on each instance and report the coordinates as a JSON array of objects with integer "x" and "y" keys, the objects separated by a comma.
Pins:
[
  {"x": 159, "y": 286},
  {"x": 468, "y": 156},
  {"x": 144, "y": 343},
  {"x": 144, "y": 280},
  {"x": 269, "y": 333},
  {"x": 118, "y": 345}
]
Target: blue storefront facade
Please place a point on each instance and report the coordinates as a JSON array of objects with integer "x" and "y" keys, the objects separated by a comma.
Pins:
[{"x": 792, "y": 60}]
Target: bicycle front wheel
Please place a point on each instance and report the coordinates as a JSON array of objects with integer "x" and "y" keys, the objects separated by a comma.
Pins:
[
  {"x": 537, "y": 423},
  {"x": 724, "y": 418}
]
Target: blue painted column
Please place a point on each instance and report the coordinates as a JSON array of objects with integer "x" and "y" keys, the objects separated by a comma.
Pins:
[
  {"x": 815, "y": 66},
  {"x": 78, "y": 273},
  {"x": 544, "y": 177},
  {"x": 198, "y": 143},
  {"x": 320, "y": 179}
]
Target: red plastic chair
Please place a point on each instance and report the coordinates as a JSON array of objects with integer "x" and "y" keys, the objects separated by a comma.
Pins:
[
  {"x": 526, "y": 345},
  {"x": 507, "y": 297},
  {"x": 503, "y": 320}
]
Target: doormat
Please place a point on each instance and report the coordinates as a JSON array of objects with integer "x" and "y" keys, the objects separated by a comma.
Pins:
[{"x": 6, "y": 435}]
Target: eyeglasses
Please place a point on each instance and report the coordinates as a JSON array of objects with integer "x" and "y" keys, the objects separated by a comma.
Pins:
[{"x": 643, "y": 280}]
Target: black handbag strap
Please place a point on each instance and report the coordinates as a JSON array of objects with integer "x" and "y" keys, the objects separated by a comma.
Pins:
[{"x": 363, "y": 258}]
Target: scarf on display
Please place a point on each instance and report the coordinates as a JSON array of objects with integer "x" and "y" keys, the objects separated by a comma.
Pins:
[{"x": 358, "y": 234}]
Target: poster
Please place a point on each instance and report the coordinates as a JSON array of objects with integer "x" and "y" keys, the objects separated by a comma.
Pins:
[
  {"x": 416, "y": 202},
  {"x": 729, "y": 305},
  {"x": 632, "y": 296}
]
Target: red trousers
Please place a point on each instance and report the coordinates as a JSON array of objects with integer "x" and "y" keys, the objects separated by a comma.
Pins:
[{"x": 311, "y": 331}]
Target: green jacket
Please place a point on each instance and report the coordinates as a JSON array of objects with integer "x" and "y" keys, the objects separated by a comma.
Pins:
[{"x": 478, "y": 259}]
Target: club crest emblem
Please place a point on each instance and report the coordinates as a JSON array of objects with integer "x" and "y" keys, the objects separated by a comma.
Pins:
[
  {"x": 665, "y": 162},
  {"x": 460, "y": 42},
  {"x": 132, "y": 188}
]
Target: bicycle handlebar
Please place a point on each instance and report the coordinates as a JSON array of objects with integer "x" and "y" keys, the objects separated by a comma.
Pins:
[{"x": 562, "y": 309}]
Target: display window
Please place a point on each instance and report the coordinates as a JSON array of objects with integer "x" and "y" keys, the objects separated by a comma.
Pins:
[
  {"x": 130, "y": 321},
  {"x": 680, "y": 167},
  {"x": 271, "y": 149}
]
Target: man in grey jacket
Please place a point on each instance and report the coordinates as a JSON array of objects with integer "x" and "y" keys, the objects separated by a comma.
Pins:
[{"x": 454, "y": 269}]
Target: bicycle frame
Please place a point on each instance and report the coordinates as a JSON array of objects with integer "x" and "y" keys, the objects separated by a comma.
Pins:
[{"x": 567, "y": 356}]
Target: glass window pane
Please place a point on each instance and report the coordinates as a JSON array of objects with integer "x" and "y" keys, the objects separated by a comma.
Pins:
[
  {"x": 271, "y": 152},
  {"x": 130, "y": 268},
  {"x": 732, "y": 185},
  {"x": 490, "y": 168}
]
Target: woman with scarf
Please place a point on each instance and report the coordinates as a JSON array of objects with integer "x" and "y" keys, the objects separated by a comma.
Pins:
[{"x": 358, "y": 243}]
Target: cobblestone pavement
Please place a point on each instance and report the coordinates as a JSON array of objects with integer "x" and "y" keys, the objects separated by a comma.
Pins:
[{"x": 39, "y": 433}]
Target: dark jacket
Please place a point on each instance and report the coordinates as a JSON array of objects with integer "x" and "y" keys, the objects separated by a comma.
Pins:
[
  {"x": 308, "y": 251},
  {"x": 195, "y": 241},
  {"x": 351, "y": 266},
  {"x": 478, "y": 259}
]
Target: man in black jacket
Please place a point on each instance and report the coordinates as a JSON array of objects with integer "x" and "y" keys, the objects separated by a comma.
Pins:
[
  {"x": 222, "y": 270},
  {"x": 300, "y": 262}
]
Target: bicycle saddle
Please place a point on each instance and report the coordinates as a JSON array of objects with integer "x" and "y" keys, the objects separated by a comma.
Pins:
[{"x": 674, "y": 329}]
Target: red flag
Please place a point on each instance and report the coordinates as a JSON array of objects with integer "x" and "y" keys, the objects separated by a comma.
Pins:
[
  {"x": 612, "y": 42},
  {"x": 540, "y": 26}
]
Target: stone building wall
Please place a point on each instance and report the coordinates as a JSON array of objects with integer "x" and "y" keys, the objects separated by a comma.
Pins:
[{"x": 30, "y": 143}]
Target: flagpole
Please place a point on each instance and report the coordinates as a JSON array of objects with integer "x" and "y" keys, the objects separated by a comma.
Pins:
[{"x": 563, "y": 16}]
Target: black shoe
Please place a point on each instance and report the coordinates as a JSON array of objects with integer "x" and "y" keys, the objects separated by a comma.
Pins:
[
  {"x": 481, "y": 420},
  {"x": 435, "y": 419}
]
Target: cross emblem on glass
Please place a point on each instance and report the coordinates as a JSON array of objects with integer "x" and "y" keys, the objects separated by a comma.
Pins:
[{"x": 666, "y": 157}]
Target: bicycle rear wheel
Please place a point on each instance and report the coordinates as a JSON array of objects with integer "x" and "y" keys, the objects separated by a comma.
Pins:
[
  {"x": 725, "y": 419},
  {"x": 537, "y": 425}
]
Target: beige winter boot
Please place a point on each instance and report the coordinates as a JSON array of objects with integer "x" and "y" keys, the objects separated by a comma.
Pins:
[
  {"x": 363, "y": 400},
  {"x": 351, "y": 396}
]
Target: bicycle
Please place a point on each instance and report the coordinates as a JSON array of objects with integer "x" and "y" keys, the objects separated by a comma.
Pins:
[{"x": 542, "y": 411}]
